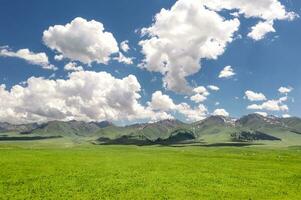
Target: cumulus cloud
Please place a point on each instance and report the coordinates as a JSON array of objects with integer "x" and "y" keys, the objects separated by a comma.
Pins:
[
  {"x": 192, "y": 114},
  {"x": 221, "y": 112},
  {"x": 286, "y": 116},
  {"x": 261, "y": 29},
  {"x": 213, "y": 87},
  {"x": 264, "y": 114},
  {"x": 271, "y": 105},
  {"x": 40, "y": 59},
  {"x": 72, "y": 66},
  {"x": 283, "y": 99},
  {"x": 161, "y": 102},
  {"x": 201, "y": 94},
  {"x": 227, "y": 72},
  {"x": 285, "y": 90},
  {"x": 198, "y": 98},
  {"x": 85, "y": 95},
  {"x": 82, "y": 40},
  {"x": 192, "y": 30},
  {"x": 201, "y": 90},
  {"x": 58, "y": 57},
  {"x": 123, "y": 59},
  {"x": 263, "y": 9},
  {"x": 125, "y": 46},
  {"x": 253, "y": 96},
  {"x": 266, "y": 10},
  {"x": 181, "y": 37}
]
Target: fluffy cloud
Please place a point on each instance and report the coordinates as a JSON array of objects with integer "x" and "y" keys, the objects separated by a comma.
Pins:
[
  {"x": 182, "y": 36},
  {"x": 285, "y": 90},
  {"x": 201, "y": 94},
  {"x": 266, "y": 10},
  {"x": 122, "y": 59},
  {"x": 198, "y": 98},
  {"x": 221, "y": 112},
  {"x": 286, "y": 116},
  {"x": 201, "y": 90},
  {"x": 87, "y": 96},
  {"x": 58, "y": 57},
  {"x": 161, "y": 102},
  {"x": 271, "y": 105},
  {"x": 264, "y": 114},
  {"x": 283, "y": 99},
  {"x": 72, "y": 66},
  {"x": 227, "y": 72},
  {"x": 213, "y": 87},
  {"x": 40, "y": 59},
  {"x": 261, "y": 29},
  {"x": 253, "y": 96},
  {"x": 82, "y": 40},
  {"x": 196, "y": 114},
  {"x": 263, "y": 9},
  {"x": 125, "y": 46},
  {"x": 193, "y": 30}
]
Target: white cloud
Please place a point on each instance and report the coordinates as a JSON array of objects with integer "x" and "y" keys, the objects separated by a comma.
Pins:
[
  {"x": 285, "y": 90},
  {"x": 266, "y": 10},
  {"x": 264, "y": 114},
  {"x": 72, "y": 66},
  {"x": 201, "y": 94},
  {"x": 192, "y": 115},
  {"x": 227, "y": 72},
  {"x": 271, "y": 105},
  {"x": 182, "y": 36},
  {"x": 40, "y": 59},
  {"x": 286, "y": 116},
  {"x": 263, "y": 9},
  {"x": 125, "y": 46},
  {"x": 161, "y": 102},
  {"x": 58, "y": 57},
  {"x": 221, "y": 112},
  {"x": 253, "y": 96},
  {"x": 261, "y": 29},
  {"x": 283, "y": 99},
  {"x": 198, "y": 98},
  {"x": 201, "y": 90},
  {"x": 122, "y": 59},
  {"x": 82, "y": 40},
  {"x": 85, "y": 95},
  {"x": 213, "y": 87}
]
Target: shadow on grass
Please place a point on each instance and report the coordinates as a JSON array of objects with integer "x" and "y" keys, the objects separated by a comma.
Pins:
[
  {"x": 178, "y": 144},
  {"x": 5, "y": 138}
]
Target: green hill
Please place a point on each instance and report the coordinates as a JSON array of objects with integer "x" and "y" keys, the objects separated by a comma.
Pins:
[{"x": 252, "y": 128}]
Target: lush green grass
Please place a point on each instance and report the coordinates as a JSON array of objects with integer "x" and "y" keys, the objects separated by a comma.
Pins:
[{"x": 129, "y": 172}]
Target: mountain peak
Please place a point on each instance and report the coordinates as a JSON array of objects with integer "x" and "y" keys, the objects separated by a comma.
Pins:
[{"x": 103, "y": 124}]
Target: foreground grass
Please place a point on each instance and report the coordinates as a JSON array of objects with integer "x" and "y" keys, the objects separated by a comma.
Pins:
[{"x": 129, "y": 172}]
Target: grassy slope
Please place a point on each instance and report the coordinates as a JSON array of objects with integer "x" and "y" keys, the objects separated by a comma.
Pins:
[{"x": 118, "y": 172}]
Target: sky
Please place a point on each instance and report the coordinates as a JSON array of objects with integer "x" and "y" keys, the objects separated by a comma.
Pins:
[{"x": 131, "y": 61}]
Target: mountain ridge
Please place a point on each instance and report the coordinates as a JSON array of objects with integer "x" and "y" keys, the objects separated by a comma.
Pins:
[{"x": 249, "y": 128}]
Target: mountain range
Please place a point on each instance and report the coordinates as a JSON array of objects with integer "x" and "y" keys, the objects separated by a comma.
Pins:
[{"x": 253, "y": 128}]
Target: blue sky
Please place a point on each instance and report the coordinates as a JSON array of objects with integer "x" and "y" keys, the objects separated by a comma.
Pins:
[{"x": 261, "y": 66}]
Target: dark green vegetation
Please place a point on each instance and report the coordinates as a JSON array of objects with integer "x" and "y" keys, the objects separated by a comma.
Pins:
[
  {"x": 252, "y": 129},
  {"x": 49, "y": 170}
]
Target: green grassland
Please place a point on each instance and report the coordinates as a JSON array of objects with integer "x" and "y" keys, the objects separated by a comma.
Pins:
[{"x": 61, "y": 169}]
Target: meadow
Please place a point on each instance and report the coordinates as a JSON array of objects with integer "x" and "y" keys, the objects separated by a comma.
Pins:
[{"x": 46, "y": 171}]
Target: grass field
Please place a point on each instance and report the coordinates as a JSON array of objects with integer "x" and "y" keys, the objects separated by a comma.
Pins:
[{"x": 154, "y": 172}]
